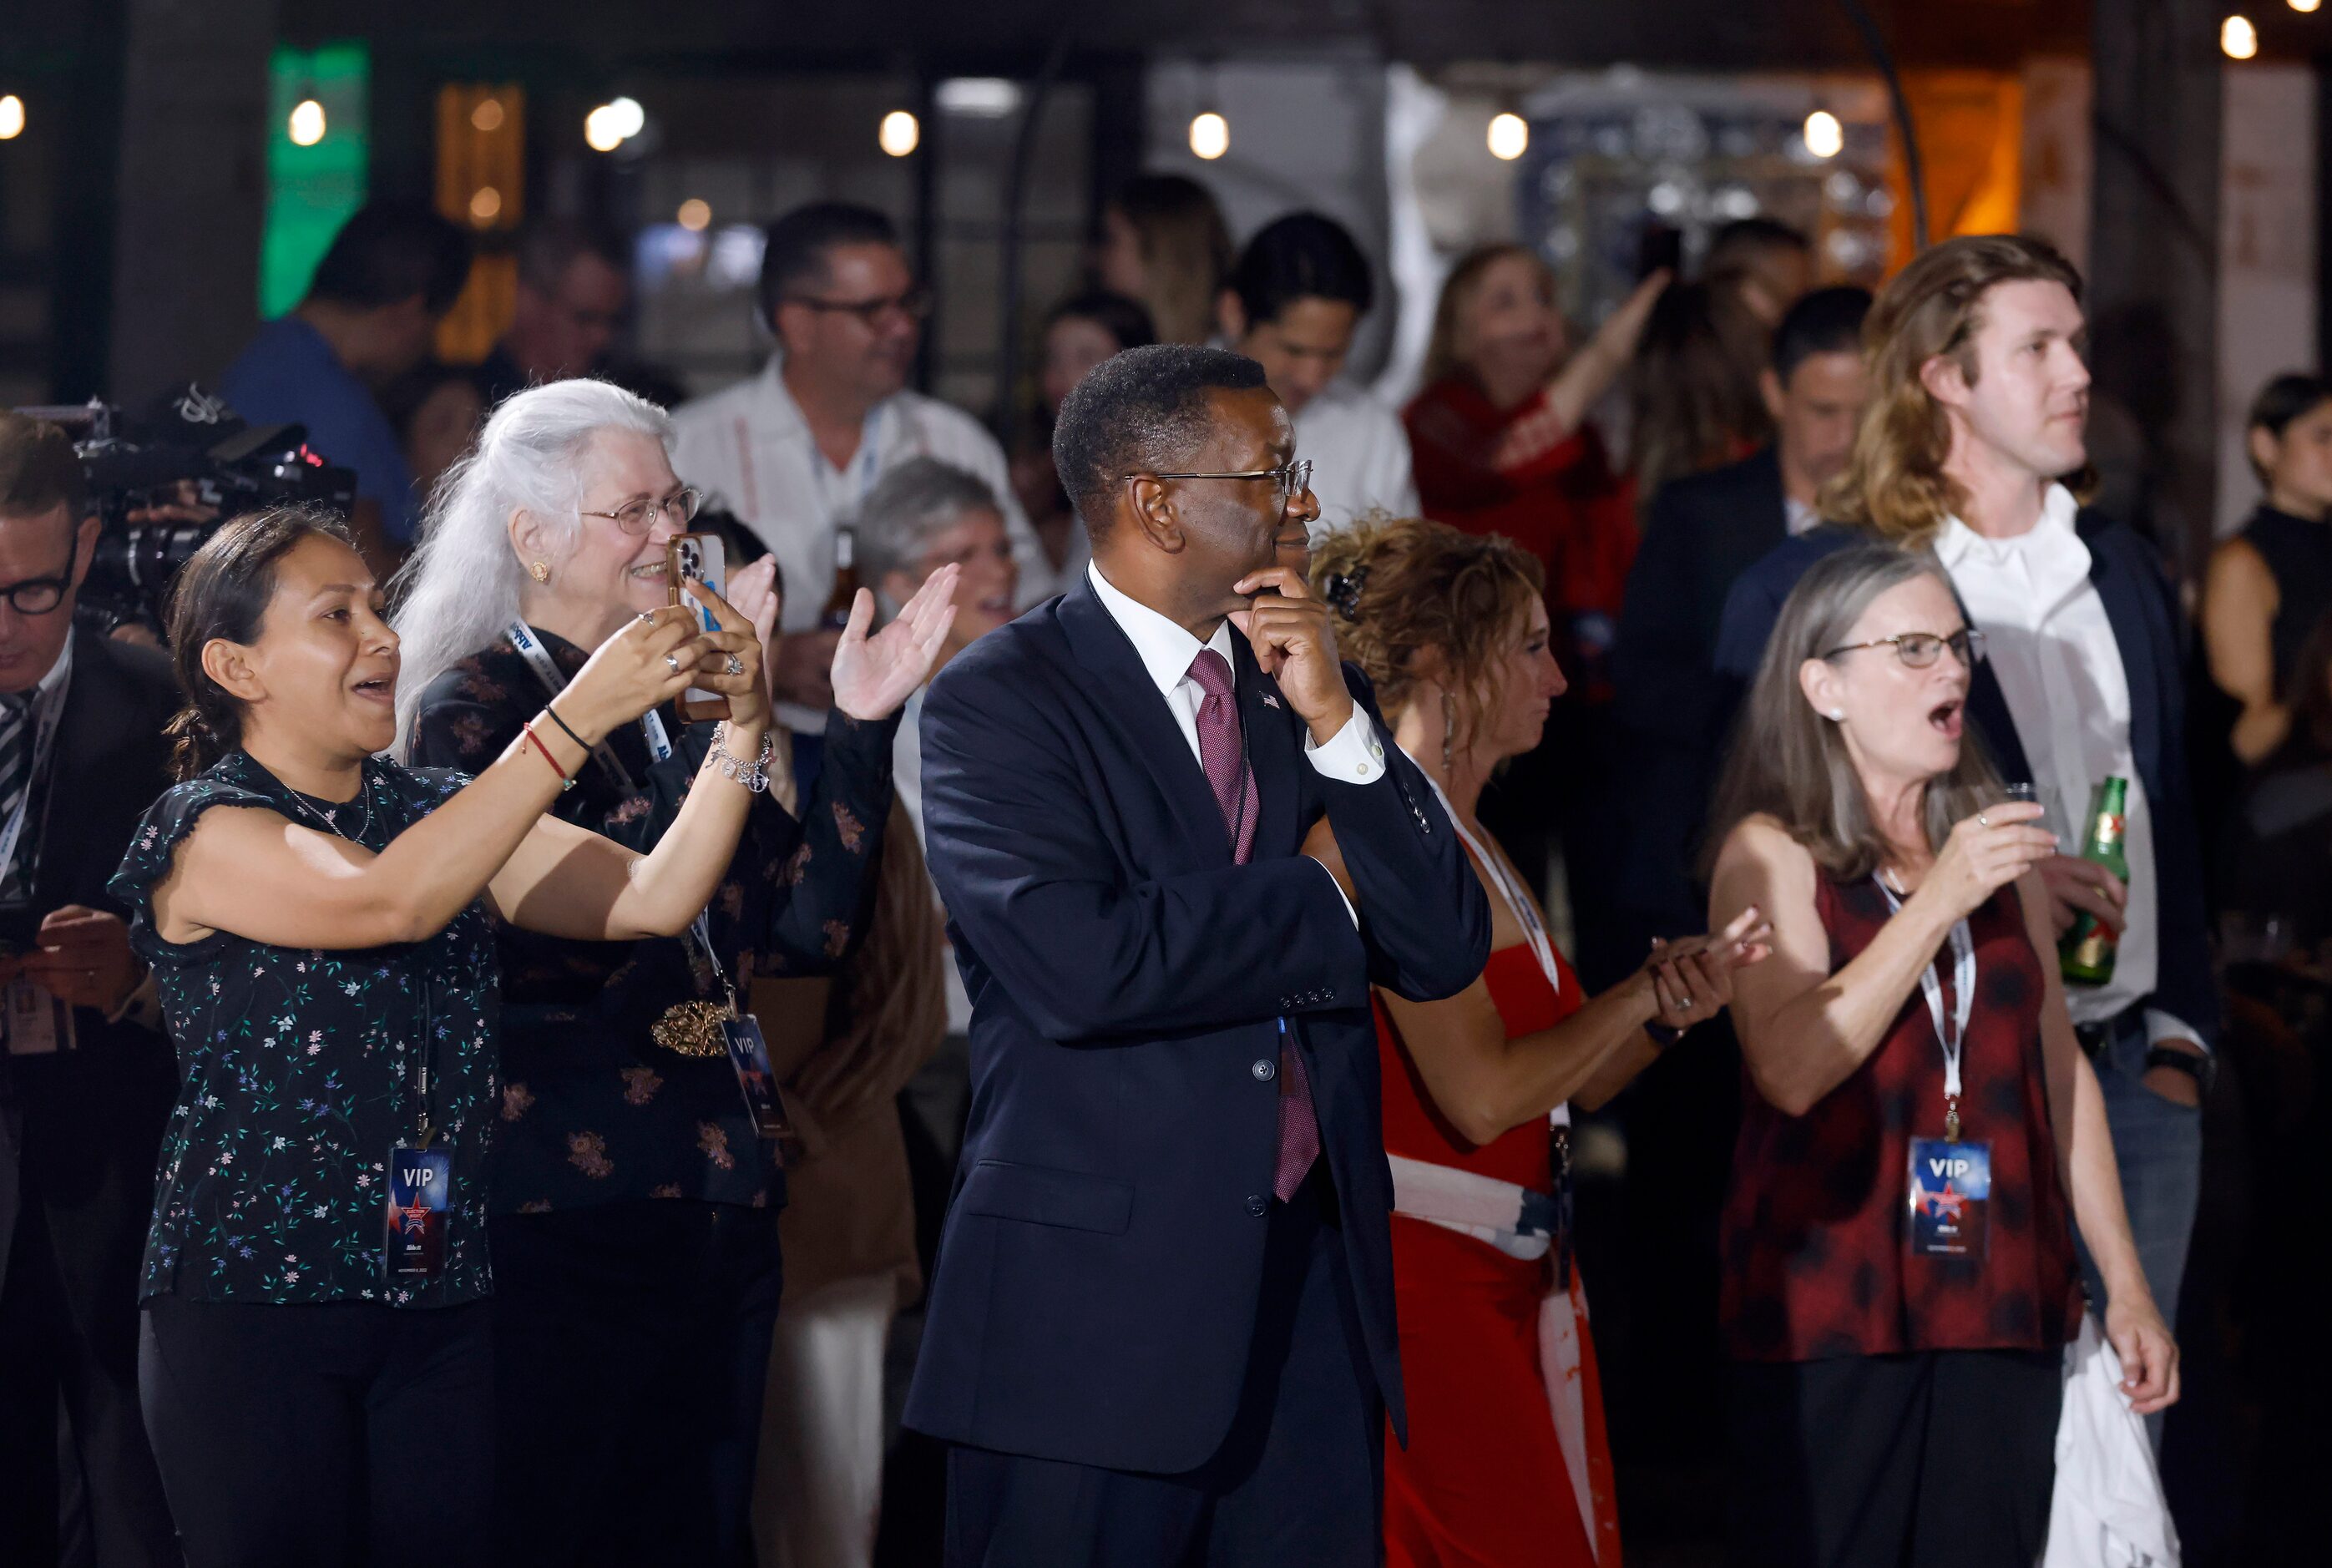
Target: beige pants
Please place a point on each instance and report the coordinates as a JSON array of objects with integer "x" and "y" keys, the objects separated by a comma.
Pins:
[{"x": 820, "y": 1483}]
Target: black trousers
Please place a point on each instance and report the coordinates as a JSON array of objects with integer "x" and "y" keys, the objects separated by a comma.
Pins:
[
  {"x": 343, "y": 1433},
  {"x": 1937, "y": 1459},
  {"x": 631, "y": 1353},
  {"x": 1299, "y": 1481}
]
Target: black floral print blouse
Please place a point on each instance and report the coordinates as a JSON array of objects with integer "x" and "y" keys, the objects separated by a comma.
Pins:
[
  {"x": 299, "y": 1071},
  {"x": 593, "y": 1111}
]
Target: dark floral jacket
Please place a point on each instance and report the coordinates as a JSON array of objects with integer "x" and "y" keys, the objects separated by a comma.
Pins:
[{"x": 593, "y": 1111}]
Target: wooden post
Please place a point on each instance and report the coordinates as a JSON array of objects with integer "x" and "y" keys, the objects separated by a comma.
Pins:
[{"x": 2154, "y": 263}]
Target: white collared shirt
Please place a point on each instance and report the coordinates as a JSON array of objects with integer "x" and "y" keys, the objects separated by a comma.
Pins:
[
  {"x": 1359, "y": 450},
  {"x": 2059, "y": 667},
  {"x": 1353, "y": 755},
  {"x": 749, "y": 450},
  {"x": 1797, "y": 516}
]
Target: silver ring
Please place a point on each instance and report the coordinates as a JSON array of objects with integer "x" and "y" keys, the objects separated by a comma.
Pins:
[
  {"x": 674, "y": 661},
  {"x": 735, "y": 666},
  {"x": 648, "y": 617}
]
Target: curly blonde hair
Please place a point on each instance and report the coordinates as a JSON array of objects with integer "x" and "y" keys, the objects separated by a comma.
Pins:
[
  {"x": 1403, "y": 592},
  {"x": 1894, "y": 483}
]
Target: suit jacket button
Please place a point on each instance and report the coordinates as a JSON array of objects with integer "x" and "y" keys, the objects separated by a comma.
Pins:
[
  {"x": 1265, "y": 1069},
  {"x": 1257, "y": 1204}
]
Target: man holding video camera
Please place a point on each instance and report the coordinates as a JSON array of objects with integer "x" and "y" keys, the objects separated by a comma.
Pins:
[{"x": 86, "y": 1076}]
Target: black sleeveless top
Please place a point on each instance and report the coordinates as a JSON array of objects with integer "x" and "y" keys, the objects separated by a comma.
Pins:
[{"x": 2299, "y": 556}]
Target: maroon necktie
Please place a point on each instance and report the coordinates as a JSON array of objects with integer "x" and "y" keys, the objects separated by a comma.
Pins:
[{"x": 1224, "y": 758}]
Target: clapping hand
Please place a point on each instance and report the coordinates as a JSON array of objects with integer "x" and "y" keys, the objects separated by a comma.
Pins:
[
  {"x": 753, "y": 590},
  {"x": 1691, "y": 977},
  {"x": 873, "y": 675}
]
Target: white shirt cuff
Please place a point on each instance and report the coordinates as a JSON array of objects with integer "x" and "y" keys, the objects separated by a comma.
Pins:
[
  {"x": 2161, "y": 1025},
  {"x": 1353, "y": 755},
  {"x": 1340, "y": 891}
]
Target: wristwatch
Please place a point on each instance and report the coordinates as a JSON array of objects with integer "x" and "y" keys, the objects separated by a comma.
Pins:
[
  {"x": 2202, "y": 1069},
  {"x": 1662, "y": 1036}
]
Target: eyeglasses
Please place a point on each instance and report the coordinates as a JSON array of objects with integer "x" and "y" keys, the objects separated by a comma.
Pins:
[
  {"x": 38, "y": 596},
  {"x": 1918, "y": 649},
  {"x": 639, "y": 516},
  {"x": 914, "y": 304},
  {"x": 1292, "y": 480}
]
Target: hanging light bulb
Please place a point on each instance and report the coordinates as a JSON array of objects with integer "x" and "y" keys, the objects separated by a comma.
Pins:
[
  {"x": 2305, "y": 8},
  {"x": 12, "y": 118},
  {"x": 898, "y": 134},
  {"x": 1825, "y": 138},
  {"x": 1509, "y": 135},
  {"x": 2238, "y": 37},
  {"x": 487, "y": 117},
  {"x": 1211, "y": 136},
  {"x": 306, "y": 126},
  {"x": 627, "y": 117},
  {"x": 599, "y": 131},
  {"x": 694, "y": 215}
]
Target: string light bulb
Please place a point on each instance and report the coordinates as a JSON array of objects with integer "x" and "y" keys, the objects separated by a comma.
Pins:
[
  {"x": 306, "y": 125},
  {"x": 2238, "y": 37},
  {"x": 2305, "y": 8},
  {"x": 1509, "y": 135},
  {"x": 1825, "y": 138},
  {"x": 487, "y": 117},
  {"x": 898, "y": 134},
  {"x": 695, "y": 213},
  {"x": 1211, "y": 136},
  {"x": 12, "y": 117},
  {"x": 600, "y": 131}
]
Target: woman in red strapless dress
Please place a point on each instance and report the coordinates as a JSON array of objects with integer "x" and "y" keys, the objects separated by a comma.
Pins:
[{"x": 1505, "y": 1462}]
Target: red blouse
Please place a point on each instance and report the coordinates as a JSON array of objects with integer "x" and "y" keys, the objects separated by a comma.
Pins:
[
  {"x": 1815, "y": 1258},
  {"x": 1412, "y": 1127}
]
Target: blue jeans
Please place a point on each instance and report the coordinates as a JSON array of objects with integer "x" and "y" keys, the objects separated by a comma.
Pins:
[{"x": 2158, "y": 1146}]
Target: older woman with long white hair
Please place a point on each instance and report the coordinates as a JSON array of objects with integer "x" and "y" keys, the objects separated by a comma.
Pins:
[{"x": 634, "y": 1194}]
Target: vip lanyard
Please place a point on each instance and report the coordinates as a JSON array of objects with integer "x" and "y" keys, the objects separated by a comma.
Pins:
[
  {"x": 1931, "y": 987},
  {"x": 538, "y": 658},
  {"x": 1517, "y": 899},
  {"x": 40, "y": 719}
]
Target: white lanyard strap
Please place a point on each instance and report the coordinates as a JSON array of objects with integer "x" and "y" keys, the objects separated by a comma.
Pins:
[
  {"x": 1931, "y": 987},
  {"x": 1518, "y": 899}
]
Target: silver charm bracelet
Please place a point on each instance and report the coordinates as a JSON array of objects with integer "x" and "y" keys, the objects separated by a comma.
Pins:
[{"x": 754, "y": 775}]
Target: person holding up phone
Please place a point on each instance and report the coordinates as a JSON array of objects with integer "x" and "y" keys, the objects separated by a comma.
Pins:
[
  {"x": 318, "y": 920},
  {"x": 634, "y": 1195},
  {"x": 1507, "y": 1461}
]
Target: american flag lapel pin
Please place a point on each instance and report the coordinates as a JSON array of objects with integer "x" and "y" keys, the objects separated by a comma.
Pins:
[{"x": 1269, "y": 700}]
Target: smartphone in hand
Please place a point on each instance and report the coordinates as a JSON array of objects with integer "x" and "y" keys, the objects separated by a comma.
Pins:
[{"x": 701, "y": 558}]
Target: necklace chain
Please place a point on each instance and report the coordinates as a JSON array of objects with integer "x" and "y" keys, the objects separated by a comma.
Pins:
[{"x": 362, "y": 797}]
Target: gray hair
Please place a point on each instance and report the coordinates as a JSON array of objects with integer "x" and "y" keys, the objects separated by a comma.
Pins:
[
  {"x": 909, "y": 507},
  {"x": 1789, "y": 763},
  {"x": 461, "y": 587}
]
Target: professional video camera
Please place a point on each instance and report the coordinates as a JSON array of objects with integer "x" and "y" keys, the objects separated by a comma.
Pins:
[{"x": 162, "y": 478}]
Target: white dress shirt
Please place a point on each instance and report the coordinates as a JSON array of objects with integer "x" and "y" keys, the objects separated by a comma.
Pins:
[
  {"x": 2054, "y": 652},
  {"x": 749, "y": 449},
  {"x": 1353, "y": 755},
  {"x": 1797, "y": 516},
  {"x": 1359, "y": 450}
]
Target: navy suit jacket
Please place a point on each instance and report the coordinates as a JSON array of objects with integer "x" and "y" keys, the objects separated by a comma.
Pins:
[
  {"x": 1701, "y": 534},
  {"x": 1131, "y": 989},
  {"x": 2145, "y": 617}
]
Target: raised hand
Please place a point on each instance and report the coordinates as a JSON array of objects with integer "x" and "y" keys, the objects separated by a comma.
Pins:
[
  {"x": 1297, "y": 646},
  {"x": 873, "y": 675},
  {"x": 653, "y": 659},
  {"x": 754, "y": 589},
  {"x": 1986, "y": 852},
  {"x": 748, "y": 687}
]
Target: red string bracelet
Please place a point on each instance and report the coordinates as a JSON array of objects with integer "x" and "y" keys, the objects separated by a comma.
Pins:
[{"x": 564, "y": 781}]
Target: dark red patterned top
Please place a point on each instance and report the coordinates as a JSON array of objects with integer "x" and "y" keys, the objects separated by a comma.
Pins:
[{"x": 1815, "y": 1259}]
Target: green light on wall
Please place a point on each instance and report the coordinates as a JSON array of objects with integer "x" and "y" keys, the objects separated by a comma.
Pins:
[{"x": 316, "y": 163}]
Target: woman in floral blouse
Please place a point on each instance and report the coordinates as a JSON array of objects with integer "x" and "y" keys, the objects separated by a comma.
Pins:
[
  {"x": 315, "y": 1367},
  {"x": 634, "y": 1205}
]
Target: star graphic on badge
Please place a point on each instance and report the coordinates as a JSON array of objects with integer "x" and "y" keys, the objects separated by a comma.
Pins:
[
  {"x": 416, "y": 1218},
  {"x": 1946, "y": 1204}
]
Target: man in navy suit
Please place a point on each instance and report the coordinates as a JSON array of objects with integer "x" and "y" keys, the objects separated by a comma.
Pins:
[
  {"x": 1161, "y": 1329},
  {"x": 1978, "y": 395}
]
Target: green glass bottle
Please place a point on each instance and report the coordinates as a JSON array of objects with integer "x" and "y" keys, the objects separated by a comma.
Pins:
[{"x": 2086, "y": 955}]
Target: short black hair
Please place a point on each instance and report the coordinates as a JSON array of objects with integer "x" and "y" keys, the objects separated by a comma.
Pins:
[
  {"x": 795, "y": 246},
  {"x": 388, "y": 252},
  {"x": 1126, "y": 321},
  {"x": 1826, "y": 321},
  {"x": 1732, "y": 244},
  {"x": 1143, "y": 409},
  {"x": 1302, "y": 256},
  {"x": 2282, "y": 400}
]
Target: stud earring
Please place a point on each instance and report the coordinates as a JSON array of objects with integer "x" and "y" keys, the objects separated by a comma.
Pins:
[
  {"x": 539, "y": 571},
  {"x": 1838, "y": 713}
]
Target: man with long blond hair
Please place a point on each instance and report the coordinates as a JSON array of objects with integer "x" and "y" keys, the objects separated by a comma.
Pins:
[{"x": 1970, "y": 448}]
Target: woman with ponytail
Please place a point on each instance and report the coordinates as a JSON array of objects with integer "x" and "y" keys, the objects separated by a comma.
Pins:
[{"x": 314, "y": 1364}]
